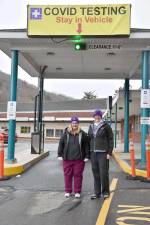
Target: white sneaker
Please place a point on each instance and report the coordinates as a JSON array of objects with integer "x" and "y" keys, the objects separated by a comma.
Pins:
[
  {"x": 77, "y": 195},
  {"x": 67, "y": 195}
]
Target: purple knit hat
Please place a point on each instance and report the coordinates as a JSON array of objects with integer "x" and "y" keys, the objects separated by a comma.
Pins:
[
  {"x": 74, "y": 119},
  {"x": 97, "y": 112}
]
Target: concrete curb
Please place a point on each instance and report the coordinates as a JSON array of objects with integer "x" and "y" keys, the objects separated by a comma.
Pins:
[
  {"x": 14, "y": 169},
  {"x": 126, "y": 167}
]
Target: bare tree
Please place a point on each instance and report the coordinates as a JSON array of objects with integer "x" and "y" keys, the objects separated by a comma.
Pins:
[{"x": 89, "y": 95}]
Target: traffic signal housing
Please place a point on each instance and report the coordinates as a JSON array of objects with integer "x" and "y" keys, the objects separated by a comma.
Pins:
[{"x": 80, "y": 46}]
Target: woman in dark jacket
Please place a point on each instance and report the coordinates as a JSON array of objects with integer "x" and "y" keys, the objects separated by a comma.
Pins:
[
  {"x": 74, "y": 151},
  {"x": 101, "y": 146}
]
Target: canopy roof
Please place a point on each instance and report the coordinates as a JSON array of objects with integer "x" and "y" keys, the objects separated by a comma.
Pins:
[{"x": 105, "y": 57}]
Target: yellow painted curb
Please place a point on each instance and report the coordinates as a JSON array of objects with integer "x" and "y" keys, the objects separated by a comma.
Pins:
[
  {"x": 13, "y": 170},
  {"x": 18, "y": 168},
  {"x": 106, "y": 205},
  {"x": 125, "y": 166}
]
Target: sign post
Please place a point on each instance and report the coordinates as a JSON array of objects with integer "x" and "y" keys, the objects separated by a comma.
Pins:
[
  {"x": 11, "y": 110},
  {"x": 145, "y": 98}
]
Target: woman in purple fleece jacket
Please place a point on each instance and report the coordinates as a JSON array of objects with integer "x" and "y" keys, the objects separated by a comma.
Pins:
[{"x": 74, "y": 151}]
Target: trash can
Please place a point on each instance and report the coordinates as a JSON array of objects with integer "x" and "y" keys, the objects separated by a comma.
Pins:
[{"x": 35, "y": 143}]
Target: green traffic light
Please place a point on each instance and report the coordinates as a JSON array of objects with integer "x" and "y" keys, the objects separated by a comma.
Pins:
[
  {"x": 80, "y": 46},
  {"x": 77, "y": 46}
]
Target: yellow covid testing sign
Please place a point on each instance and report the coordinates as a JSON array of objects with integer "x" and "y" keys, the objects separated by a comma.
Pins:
[{"x": 88, "y": 20}]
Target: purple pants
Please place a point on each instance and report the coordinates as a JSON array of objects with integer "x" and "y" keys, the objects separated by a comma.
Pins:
[{"x": 73, "y": 169}]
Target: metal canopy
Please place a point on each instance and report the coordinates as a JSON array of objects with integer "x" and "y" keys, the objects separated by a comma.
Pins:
[{"x": 105, "y": 58}]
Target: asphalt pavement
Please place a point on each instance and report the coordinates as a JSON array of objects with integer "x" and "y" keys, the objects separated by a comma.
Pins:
[{"x": 37, "y": 197}]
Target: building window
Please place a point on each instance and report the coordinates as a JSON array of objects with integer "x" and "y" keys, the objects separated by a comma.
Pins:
[
  {"x": 25, "y": 130},
  {"x": 49, "y": 132},
  {"x": 58, "y": 132}
]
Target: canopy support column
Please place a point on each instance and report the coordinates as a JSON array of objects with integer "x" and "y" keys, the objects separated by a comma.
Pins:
[
  {"x": 126, "y": 116},
  {"x": 144, "y": 111},
  {"x": 12, "y": 105}
]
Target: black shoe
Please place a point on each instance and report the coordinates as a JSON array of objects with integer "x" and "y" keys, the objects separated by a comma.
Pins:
[
  {"x": 95, "y": 196},
  {"x": 106, "y": 195}
]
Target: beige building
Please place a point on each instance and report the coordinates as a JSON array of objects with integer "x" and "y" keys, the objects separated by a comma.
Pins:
[{"x": 56, "y": 116}]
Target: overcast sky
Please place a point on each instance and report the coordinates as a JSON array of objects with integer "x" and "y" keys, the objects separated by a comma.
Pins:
[{"x": 13, "y": 15}]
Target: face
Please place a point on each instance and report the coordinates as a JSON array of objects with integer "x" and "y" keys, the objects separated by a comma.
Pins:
[
  {"x": 74, "y": 125},
  {"x": 97, "y": 118}
]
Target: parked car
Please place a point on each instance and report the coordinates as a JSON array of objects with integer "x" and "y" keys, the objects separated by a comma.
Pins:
[{"x": 4, "y": 132}]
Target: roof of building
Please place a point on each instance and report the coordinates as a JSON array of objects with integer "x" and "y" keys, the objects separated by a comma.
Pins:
[{"x": 69, "y": 105}]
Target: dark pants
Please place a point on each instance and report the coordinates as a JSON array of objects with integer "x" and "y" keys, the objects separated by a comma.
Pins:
[
  {"x": 73, "y": 169},
  {"x": 100, "y": 169}
]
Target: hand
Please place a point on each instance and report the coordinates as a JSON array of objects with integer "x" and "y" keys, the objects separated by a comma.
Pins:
[
  {"x": 86, "y": 160},
  {"x": 108, "y": 156},
  {"x": 60, "y": 158}
]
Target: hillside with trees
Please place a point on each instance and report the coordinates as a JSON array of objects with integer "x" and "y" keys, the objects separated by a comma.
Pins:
[{"x": 25, "y": 91}]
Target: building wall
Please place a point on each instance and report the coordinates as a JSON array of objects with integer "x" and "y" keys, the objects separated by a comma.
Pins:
[
  {"x": 24, "y": 129},
  {"x": 53, "y": 130}
]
